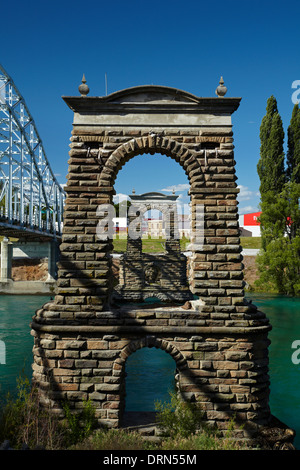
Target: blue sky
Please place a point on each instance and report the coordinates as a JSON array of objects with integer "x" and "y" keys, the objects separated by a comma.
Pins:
[{"x": 47, "y": 46}]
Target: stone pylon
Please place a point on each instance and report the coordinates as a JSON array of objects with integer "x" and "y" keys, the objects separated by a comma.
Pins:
[{"x": 220, "y": 344}]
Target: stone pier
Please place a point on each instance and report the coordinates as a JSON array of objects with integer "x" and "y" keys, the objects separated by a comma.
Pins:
[
  {"x": 6, "y": 260},
  {"x": 220, "y": 344}
]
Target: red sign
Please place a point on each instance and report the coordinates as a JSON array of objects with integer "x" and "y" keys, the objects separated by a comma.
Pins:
[{"x": 251, "y": 219}]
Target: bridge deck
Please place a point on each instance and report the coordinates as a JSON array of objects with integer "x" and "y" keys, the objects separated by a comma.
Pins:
[{"x": 13, "y": 230}]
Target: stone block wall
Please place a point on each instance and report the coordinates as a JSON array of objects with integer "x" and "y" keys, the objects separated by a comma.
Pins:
[
  {"x": 146, "y": 275},
  {"x": 222, "y": 368}
]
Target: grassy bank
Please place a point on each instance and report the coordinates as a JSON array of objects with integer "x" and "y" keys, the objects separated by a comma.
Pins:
[
  {"x": 27, "y": 425},
  {"x": 156, "y": 245},
  {"x": 150, "y": 245},
  {"x": 251, "y": 242}
]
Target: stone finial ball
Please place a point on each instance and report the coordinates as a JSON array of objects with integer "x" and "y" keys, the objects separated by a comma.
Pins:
[
  {"x": 221, "y": 89},
  {"x": 83, "y": 87}
]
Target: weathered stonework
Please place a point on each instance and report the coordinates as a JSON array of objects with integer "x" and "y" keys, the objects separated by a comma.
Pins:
[
  {"x": 162, "y": 276},
  {"x": 221, "y": 345}
]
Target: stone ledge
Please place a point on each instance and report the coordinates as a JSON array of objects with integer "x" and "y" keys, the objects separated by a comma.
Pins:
[{"x": 149, "y": 329}]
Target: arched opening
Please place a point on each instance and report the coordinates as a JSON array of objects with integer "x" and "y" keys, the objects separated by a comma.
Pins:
[
  {"x": 143, "y": 174},
  {"x": 149, "y": 378},
  {"x": 152, "y": 199}
]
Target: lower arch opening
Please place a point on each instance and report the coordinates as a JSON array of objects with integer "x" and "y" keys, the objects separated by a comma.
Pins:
[{"x": 150, "y": 377}]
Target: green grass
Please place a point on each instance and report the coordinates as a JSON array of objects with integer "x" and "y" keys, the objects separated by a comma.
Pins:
[
  {"x": 156, "y": 245},
  {"x": 150, "y": 245},
  {"x": 251, "y": 242},
  {"x": 24, "y": 421},
  {"x": 121, "y": 439}
]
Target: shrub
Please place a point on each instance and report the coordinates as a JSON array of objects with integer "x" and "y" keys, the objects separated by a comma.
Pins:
[
  {"x": 79, "y": 425},
  {"x": 24, "y": 421},
  {"x": 203, "y": 441},
  {"x": 178, "y": 417},
  {"x": 112, "y": 439},
  {"x": 182, "y": 426}
]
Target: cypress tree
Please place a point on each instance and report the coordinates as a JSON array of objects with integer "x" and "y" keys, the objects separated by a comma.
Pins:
[
  {"x": 279, "y": 261},
  {"x": 293, "y": 152},
  {"x": 270, "y": 166}
]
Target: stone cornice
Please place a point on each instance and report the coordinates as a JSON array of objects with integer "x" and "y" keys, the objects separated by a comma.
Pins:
[{"x": 151, "y": 98}]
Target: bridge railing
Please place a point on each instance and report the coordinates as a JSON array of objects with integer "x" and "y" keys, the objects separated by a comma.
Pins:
[{"x": 35, "y": 224}]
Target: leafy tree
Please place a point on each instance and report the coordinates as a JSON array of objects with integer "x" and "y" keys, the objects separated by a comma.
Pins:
[
  {"x": 279, "y": 266},
  {"x": 280, "y": 214},
  {"x": 80, "y": 425},
  {"x": 121, "y": 208},
  {"x": 279, "y": 260},
  {"x": 270, "y": 166},
  {"x": 293, "y": 152}
]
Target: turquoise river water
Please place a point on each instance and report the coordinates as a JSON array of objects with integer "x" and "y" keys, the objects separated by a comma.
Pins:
[{"x": 150, "y": 372}]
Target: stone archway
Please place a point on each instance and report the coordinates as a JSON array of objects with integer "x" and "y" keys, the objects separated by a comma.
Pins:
[
  {"x": 153, "y": 143},
  {"x": 148, "y": 341},
  {"x": 191, "y": 162},
  {"x": 179, "y": 360},
  {"x": 222, "y": 339}
]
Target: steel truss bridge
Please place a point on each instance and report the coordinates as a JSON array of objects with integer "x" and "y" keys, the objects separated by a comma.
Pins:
[{"x": 31, "y": 199}]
